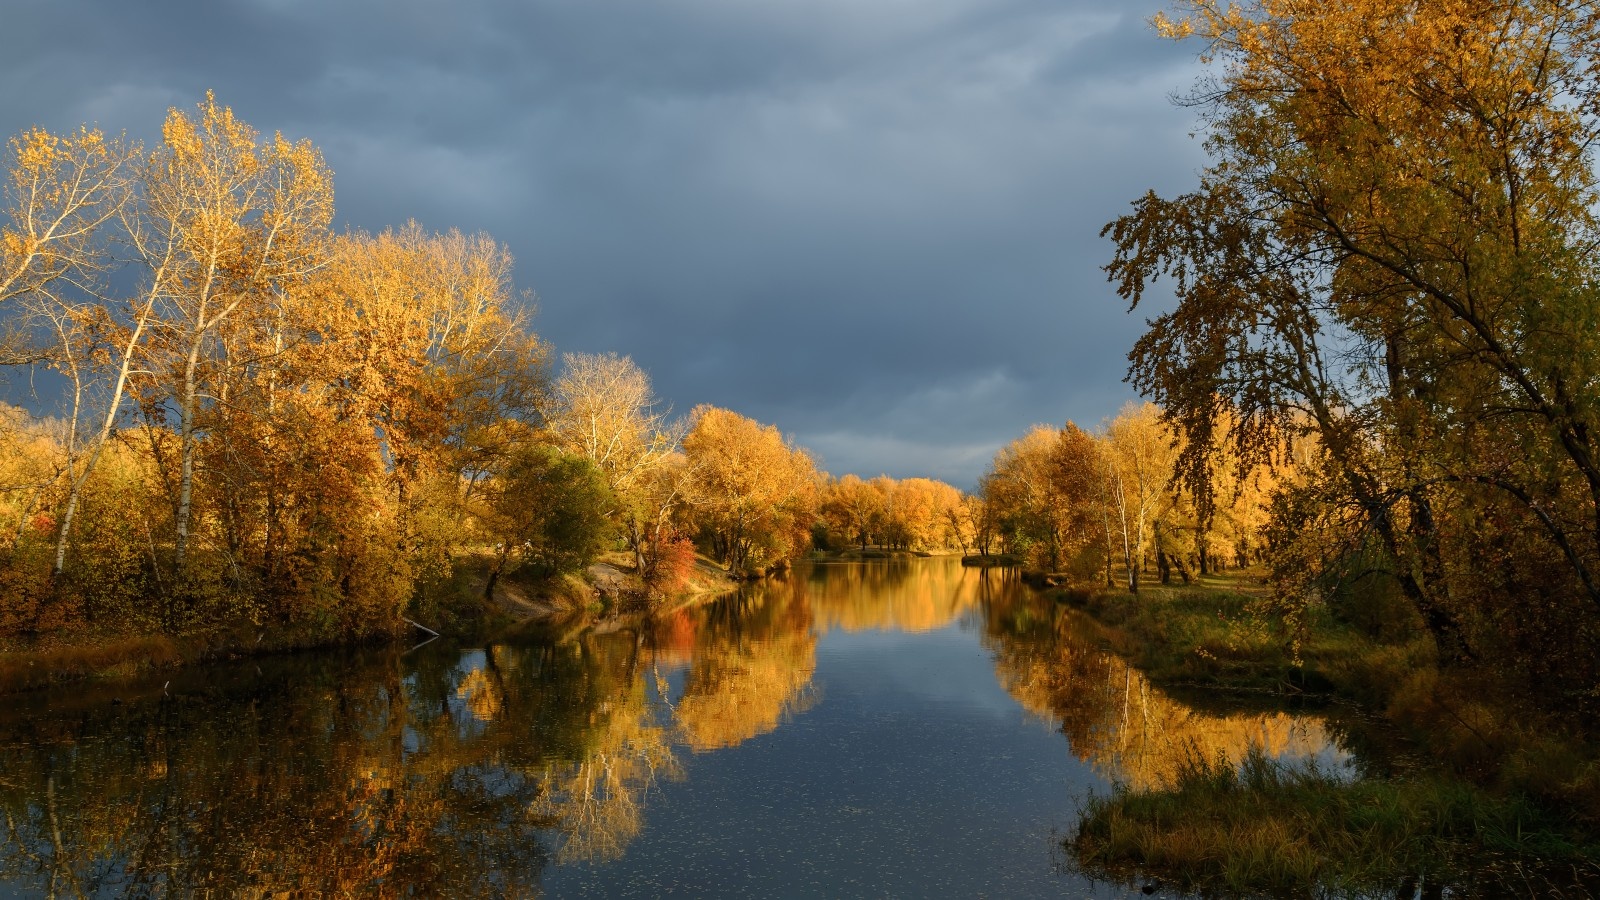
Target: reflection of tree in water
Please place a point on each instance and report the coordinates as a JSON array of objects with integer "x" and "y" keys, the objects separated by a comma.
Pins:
[
  {"x": 325, "y": 784},
  {"x": 747, "y": 662},
  {"x": 449, "y": 770},
  {"x": 594, "y": 793},
  {"x": 893, "y": 595},
  {"x": 754, "y": 657},
  {"x": 1110, "y": 713}
]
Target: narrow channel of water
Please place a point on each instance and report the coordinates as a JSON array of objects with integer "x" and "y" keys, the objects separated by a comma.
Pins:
[{"x": 901, "y": 728}]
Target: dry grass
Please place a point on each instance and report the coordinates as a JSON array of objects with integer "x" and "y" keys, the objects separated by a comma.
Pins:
[
  {"x": 108, "y": 658},
  {"x": 1266, "y": 828}
]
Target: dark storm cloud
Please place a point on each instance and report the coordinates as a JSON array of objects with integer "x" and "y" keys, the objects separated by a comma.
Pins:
[{"x": 872, "y": 223}]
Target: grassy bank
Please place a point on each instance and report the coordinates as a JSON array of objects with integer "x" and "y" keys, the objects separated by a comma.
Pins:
[
  {"x": 1263, "y": 828},
  {"x": 1206, "y": 634},
  {"x": 1494, "y": 791},
  {"x": 34, "y": 667}
]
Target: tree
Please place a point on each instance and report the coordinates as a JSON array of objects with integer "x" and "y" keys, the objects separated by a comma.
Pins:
[
  {"x": 921, "y": 507},
  {"x": 62, "y": 196},
  {"x": 60, "y": 193},
  {"x": 1076, "y": 470},
  {"x": 320, "y": 417},
  {"x": 548, "y": 508},
  {"x": 852, "y": 507},
  {"x": 1140, "y": 457},
  {"x": 1020, "y": 489},
  {"x": 420, "y": 339},
  {"x": 1037, "y": 492},
  {"x": 1394, "y": 251},
  {"x": 605, "y": 411},
  {"x": 754, "y": 494},
  {"x": 979, "y": 517},
  {"x": 231, "y": 226}
]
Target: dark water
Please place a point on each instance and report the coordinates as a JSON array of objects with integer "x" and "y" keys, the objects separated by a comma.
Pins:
[{"x": 899, "y": 728}]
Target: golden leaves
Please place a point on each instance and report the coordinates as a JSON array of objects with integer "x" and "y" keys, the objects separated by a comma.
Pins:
[
  {"x": 60, "y": 190},
  {"x": 1172, "y": 29},
  {"x": 750, "y": 487}
]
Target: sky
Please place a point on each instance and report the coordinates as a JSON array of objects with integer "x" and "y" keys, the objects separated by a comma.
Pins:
[{"x": 872, "y": 223}]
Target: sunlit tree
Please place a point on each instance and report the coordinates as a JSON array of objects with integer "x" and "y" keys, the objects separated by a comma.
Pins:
[
  {"x": 1394, "y": 250},
  {"x": 753, "y": 494}
]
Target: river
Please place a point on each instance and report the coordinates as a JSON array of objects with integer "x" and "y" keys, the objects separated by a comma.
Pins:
[{"x": 886, "y": 728}]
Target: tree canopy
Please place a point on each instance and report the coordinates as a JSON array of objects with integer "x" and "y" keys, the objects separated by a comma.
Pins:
[{"x": 1393, "y": 252}]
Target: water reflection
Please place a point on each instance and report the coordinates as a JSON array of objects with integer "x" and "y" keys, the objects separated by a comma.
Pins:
[
  {"x": 896, "y": 595},
  {"x": 754, "y": 657},
  {"x": 1113, "y": 717},
  {"x": 337, "y": 779},
  {"x": 475, "y": 772}
]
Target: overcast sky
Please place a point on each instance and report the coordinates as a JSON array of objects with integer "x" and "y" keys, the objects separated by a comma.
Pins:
[{"x": 873, "y": 223}]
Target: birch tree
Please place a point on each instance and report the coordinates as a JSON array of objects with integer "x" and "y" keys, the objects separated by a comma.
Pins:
[{"x": 233, "y": 221}]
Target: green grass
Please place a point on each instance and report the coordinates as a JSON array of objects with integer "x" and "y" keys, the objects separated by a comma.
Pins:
[
  {"x": 1266, "y": 828},
  {"x": 1208, "y": 634}
]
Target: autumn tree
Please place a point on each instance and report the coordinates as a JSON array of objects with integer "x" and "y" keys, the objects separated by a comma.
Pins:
[
  {"x": 978, "y": 519},
  {"x": 1042, "y": 492},
  {"x": 1019, "y": 487},
  {"x": 423, "y": 342},
  {"x": 853, "y": 509},
  {"x": 753, "y": 493},
  {"x": 64, "y": 195},
  {"x": 1077, "y": 469},
  {"x": 1394, "y": 251},
  {"x": 548, "y": 508},
  {"x": 61, "y": 193},
  {"x": 62, "y": 198},
  {"x": 233, "y": 223},
  {"x": 604, "y": 410},
  {"x": 894, "y": 518},
  {"x": 919, "y": 513},
  {"x": 1140, "y": 458},
  {"x": 318, "y": 415}
]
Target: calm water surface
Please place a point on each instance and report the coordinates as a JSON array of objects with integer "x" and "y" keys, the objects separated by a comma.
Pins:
[{"x": 900, "y": 728}]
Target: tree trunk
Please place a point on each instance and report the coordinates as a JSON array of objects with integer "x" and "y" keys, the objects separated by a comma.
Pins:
[
  {"x": 186, "y": 441},
  {"x": 110, "y": 421}
]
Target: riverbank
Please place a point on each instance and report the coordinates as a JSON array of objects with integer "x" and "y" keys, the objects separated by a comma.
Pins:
[
  {"x": 457, "y": 608},
  {"x": 1497, "y": 788},
  {"x": 852, "y": 554},
  {"x": 1208, "y": 635},
  {"x": 53, "y": 661},
  {"x": 1266, "y": 828},
  {"x": 991, "y": 560}
]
